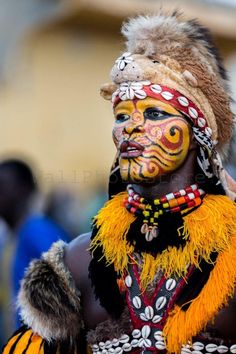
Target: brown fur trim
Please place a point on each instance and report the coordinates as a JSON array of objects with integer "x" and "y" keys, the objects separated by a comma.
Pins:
[
  {"x": 191, "y": 45},
  {"x": 107, "y": 90},
  {"x": 191, "y": 80},
  {"x": 49, "y": 301},
  {"x": 110, "y": 329},
  {"x": 217, "y": 96}
]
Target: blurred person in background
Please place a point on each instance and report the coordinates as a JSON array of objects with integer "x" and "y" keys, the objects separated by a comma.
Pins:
[
  {"x": 21, "y": 209},
  {"x": 5, "y": 250},
  {"x": 64, "y": 207}
]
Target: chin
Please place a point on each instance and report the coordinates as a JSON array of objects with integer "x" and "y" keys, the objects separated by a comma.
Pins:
[{"x": 133, "y": 177}]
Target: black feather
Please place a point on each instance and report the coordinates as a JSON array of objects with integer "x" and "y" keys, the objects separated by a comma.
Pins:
[
  {"x": 197, "y": 32},
  {"x": 168, "y": 225},
  {"x": 104, "y": 281}
]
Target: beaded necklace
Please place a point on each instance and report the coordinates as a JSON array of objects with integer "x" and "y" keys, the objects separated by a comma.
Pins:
[{"x": 170, "y": 203}]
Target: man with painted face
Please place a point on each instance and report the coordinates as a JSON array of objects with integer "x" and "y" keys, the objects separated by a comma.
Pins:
[{"x": 157, "y": 273}]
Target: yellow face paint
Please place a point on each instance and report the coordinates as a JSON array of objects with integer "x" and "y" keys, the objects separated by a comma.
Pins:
[{"x": 152, "y": 139}]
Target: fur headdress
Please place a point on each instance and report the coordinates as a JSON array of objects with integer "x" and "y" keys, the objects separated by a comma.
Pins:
[{"x": 179, "y": 55}]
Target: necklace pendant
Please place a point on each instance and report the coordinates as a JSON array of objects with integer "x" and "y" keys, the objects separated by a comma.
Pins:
[
  {"x": 149, "y": 236},
  {"x": 150, "y": 232},
  {"x": 144, "y": 229},
  {"x": 155, "y": 231}
]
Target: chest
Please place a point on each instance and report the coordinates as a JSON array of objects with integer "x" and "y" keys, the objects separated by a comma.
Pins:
[{"x": 141, "y": 329}]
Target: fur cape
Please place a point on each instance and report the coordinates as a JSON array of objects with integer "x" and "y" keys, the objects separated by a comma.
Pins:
[{"x": 49, "y": 301}]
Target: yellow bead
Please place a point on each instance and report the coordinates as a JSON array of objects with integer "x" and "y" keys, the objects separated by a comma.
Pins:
[
  {"x": 146, "y": 213},
  {"x": 151, "y": 220},
  {"x": 157, "y": 201},
  {"x": 156, "y": 214},
  {"x": 166, "y": 205}
]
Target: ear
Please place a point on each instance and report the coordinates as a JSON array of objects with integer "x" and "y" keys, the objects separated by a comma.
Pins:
[
  {"x": 193, "y": 142},
  {"x": 107, "y": 90},
  {"x": 191, "y": 80}
]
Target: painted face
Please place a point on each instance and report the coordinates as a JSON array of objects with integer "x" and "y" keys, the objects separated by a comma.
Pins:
[{"x": 152, "y": 139}]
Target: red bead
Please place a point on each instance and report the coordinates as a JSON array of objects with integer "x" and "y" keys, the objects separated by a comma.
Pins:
[
  {"x": 175, "y": 209},
  {"x": 177, "y": 194},
  {"x": 186, "y": 197},
  {"x": 133, "y": 210},
  {"x": 135, "y": 204},
  {"x": 188, "y": 190},
  {"x": 163, "y": 199},
  {"x": 191, "y": 204},
  {"x": 196, "y": 193}
]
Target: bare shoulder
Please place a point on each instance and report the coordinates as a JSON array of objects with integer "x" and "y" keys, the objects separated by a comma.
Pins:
[
  {"x": 77, "y": 258},
  {"x": 79, "y": 244}
]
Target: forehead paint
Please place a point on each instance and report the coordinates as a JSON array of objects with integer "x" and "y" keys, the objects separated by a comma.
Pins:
[{"x": 131, "y": 106}]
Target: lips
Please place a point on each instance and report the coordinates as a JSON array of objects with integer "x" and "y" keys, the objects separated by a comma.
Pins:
[{"x": 130, "y": 149}]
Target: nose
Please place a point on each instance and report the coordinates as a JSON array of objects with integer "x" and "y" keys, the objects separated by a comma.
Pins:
[
  {"x": 134, "y": 125},
  {"x": 133, "y": 128}
]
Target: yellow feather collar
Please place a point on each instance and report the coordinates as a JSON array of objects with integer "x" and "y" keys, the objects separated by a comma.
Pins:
[{"x": 210, "y": 228}]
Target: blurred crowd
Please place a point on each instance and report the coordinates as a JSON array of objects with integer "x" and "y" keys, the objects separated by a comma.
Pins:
[{"x": 29, "y": 223}]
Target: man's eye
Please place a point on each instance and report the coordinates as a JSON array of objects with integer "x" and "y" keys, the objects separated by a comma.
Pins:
[
  {"x": 154, "y": 114},
  {"x": 122, "y": 117}
]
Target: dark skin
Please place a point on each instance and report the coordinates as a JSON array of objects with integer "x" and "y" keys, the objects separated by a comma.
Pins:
[{"x": 77, "y": 256}]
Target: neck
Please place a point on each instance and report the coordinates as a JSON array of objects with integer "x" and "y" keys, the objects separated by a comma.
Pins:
[{"x": 175, "y": 181}]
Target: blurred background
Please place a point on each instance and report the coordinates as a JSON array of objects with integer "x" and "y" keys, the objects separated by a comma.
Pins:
[{"x": 54, "y": 56}]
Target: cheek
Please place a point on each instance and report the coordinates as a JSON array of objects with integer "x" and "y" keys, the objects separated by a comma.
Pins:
[
  {"x": 155, "y": 132},
  {"x": 173, "y": 134},
  {"x": 117, "y": 134},
  {"x": 177, "y": 136}
]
